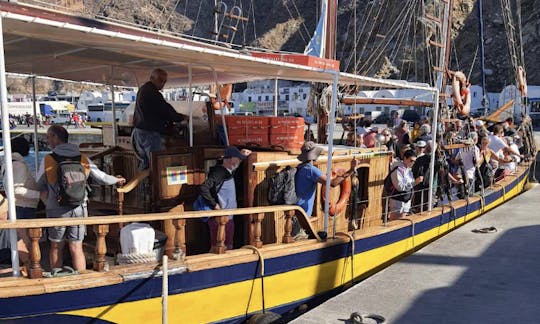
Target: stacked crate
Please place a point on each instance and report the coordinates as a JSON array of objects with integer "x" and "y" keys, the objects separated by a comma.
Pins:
[
  {"x": 248, "y": 130},
  {"x": 287, "y": 133}
]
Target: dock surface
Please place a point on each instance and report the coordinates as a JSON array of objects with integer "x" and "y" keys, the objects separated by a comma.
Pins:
[{"x": 463, "y": 277}]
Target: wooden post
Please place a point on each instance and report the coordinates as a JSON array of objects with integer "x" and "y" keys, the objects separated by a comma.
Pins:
[
  {"x": 180, "y": 235},
  {"x": 120, "y": 203},
  {"x": 101, "y": 247},
  {"x": 35, "y": 270},
  {"x": 287, "y": 238},
  {"x": 256, "y": 230},
  {"x": 220, "y": 247}
]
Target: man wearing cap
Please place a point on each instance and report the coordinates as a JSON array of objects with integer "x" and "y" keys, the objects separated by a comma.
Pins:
[
  {"x": 219, "y": 191},
  {"x": 308, "y": 175},
  {"x": 152, "y": 113},
  {"x": 420, "y": 148}
]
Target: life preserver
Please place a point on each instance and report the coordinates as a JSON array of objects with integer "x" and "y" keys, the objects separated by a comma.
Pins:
[
  {"x": 461, "y": 93},
  {"x": 341, "y": 204},
  {"x": 522, "y": 81}
]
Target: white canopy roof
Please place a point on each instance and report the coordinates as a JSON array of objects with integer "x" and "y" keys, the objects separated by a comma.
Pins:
[{"x": 58, "y": 45}]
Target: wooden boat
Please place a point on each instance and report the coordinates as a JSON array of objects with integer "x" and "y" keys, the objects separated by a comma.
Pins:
[{"x": 267, "y": 270}]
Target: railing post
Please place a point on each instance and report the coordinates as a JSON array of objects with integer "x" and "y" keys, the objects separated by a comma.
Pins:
[
  {"x": 287, "y": 238},
  {"x": 220, "y": 247},
  {"x": 101, "y": 247},
  {"x": 256, "y": 230},
  {"x": 35, "y": 270},
  {"x": 180, "y": 235},
  {"x": 120, "y": 203}
]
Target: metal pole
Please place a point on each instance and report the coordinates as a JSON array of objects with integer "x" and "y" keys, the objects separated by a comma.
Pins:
[
  {"x": 218, "y": 97},
  {"x": 36, "y": 143},
  {"x": 276, "y": 96},
  {"x": 332, "y": 121},
  {"x": 114, "y": 133},
  {"x": 8, "y": 163},
  {"x": 165, "y": 290},
  {"x": 190, "y": 105},
  {"x": 433, "y": 148}
]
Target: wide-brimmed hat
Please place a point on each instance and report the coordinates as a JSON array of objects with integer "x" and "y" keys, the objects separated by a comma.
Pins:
[
  {"x": 232, "y": 151},
  {"x": 310, "y": 152}
]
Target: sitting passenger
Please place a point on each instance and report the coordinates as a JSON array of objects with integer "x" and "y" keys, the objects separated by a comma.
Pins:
[
  {"x": 61, "y": 205},
  {"x": 351, "y": 140},
  {"x": 219, "y": 192}
]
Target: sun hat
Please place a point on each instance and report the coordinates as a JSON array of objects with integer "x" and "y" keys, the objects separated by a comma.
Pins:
[{"x": 310, "y": 152}]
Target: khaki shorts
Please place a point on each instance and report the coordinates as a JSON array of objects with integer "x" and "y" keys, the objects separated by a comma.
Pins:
[{"x": 71, "y": 233}]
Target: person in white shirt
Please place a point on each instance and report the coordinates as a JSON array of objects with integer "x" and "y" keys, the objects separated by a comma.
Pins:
[
  {"x": 470, "y": 156},
  {"x": 399, "y": 203}
]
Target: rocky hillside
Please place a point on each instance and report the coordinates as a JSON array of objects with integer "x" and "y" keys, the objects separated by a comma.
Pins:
[{"x": 391, "y": 34}]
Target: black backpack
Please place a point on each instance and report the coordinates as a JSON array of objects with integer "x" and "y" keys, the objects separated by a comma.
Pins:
[
  {"x": 71, "y": 177},
  {"x": 281, "y": 190}
]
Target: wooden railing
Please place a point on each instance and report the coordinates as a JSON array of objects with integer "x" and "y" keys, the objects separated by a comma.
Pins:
[
  {"x": 178, "y": 217},
  {"x": 128, "y": 187}
]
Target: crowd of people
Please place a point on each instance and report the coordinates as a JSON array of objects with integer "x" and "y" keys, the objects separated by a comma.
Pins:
[{"x": 470, "y": 157}]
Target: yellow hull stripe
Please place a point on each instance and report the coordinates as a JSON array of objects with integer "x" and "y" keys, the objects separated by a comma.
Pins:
[{"x": 238, "y": 299}]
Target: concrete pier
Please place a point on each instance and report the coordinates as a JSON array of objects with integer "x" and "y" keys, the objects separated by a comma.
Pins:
[{"x": 464, "y": 277}]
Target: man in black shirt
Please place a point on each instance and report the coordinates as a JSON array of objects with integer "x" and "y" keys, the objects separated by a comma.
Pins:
[{"x": 152, "y": 113}]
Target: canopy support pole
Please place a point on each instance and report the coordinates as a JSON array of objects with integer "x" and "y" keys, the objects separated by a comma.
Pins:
[
  {"x": 8, "y": 163},
  {"x": 36, "y": 142},
  {"x": 433, "y": 147},
  {"x": 276, "y": 96},
  {"x": 330, "y": 140},
  {"x": 114, "y": 133},
  {"x": 190, "y": 104}
]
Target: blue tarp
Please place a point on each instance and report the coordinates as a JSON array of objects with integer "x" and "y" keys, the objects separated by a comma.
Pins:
[{"x": 46, "y": 110}]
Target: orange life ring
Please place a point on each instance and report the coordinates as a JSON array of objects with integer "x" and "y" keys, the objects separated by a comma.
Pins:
[
  {"x": 461, "y": 93},
  {"x": 341, "y": 204},
  {"x": 522, "y": 81}
]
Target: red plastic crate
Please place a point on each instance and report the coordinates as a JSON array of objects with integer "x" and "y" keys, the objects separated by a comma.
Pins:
[
  {"x": 251, "y": 140},
  {"x": 286, "y": 125},
  {"x": 287, "y": 141}
]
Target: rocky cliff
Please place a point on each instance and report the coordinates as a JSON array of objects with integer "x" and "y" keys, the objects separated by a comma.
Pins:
[{"x": 391, "y": 34}]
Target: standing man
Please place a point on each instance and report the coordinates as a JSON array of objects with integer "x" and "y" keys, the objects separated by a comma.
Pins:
[
  {"x": 152, "y": 113},
  {"x": 219, "y": 192},
  {"x": 65, "y": 201}
]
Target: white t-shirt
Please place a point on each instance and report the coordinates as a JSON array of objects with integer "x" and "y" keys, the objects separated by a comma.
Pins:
[
  {"x": 497, "y": 144},
  {"x": 468, "y": 155}
]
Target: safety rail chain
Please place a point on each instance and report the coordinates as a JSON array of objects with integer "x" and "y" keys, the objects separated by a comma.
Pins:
[{"x": 178, "y": 217}]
